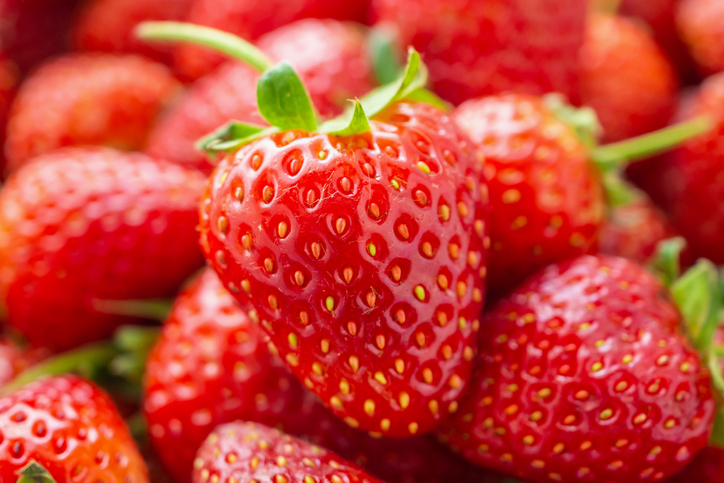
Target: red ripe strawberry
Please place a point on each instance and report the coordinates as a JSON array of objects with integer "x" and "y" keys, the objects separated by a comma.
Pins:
[
  {"x": 363, "y": 256},
  {"x": 33, "y": 30},
  {"x": 252, "y": 452},
  {"x": 626, "y": 78},
  {"x": 9, "y": 77},
  {"x": 546, "y": 198},
  {"x": 585, "y": 375},
  {"x": 87, "y": 99},
  {"x": 15, "y": 359},
  {"x": 72, "y": 429},
  {"x": 634, "y": 230},
  {"x": 82, "y": 224},
  {"x": 330, "y": 56},
  {"x": 250, "y": 19},
  {"x": 699, "y": 22},
  {"x": 212, "y": 366},
  {"x": 707, "y": 467},
  {"x": 107, "y": 25},
  {"x": 476, "y": 48}
]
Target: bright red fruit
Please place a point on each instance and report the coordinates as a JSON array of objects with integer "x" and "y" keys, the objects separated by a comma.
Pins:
[
  {"x": 626, "y": 78},
  {"x": 634, "y": 230},
  {"x": 700, "y": 26},
  {"x": 97, "y": 99},
  {"x": 364, "y": 257},
  {"x": 707, "y": 467},
  {"x": 585, "y": 375},
  {"x": 15, "y": 359},
  {"x": 252, "y": 452},
  {"x": 71, "y": 428},
  {"x": 92, "y": 223},
  {"x": 107, "y": 25},
  {"x": 9, "y": 78},
  {"x": 476, "y": 48},
  {"x": 546, "y": 198},
  {"x": 330, "y": 56},
  {"x": 250, "y": 19},
  {"x": 212, "y": 366}
]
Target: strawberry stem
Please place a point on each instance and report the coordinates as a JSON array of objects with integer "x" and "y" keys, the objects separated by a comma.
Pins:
[
  {"x": 613, "y": 156},
  {"x": 152, "y": 309},
  {"x": 223, "y": 42}
]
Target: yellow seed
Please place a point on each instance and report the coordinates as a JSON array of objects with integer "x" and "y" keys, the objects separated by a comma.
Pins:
[
  {"x": 558, "y": 448},
  {"x": 385, "y": 424},
  {"x": 336, "y": 402},
  {"x": 372, "y": 249},
  {"x": 399, "y": 366},
  {"x": 344, "y": 386},
  {"x": 444, "y": 212},
  {"x": 434, "y": 408},
  {"x": 317, "y": 368},
  {"x": 455, "y": 381},
  {"x": 606, "y": 414},
  {"x": 354, "y": 363},
  {"x": 369, "y": 407},
  {"x": 282, "y": 229},
  {"x": 404, "y": 400},
  {"x": 324, "y": 346},
  {"x": 281, "y": 461},
  {"x": 423, "y": 167},
  {"x": 597, "y": 366},
  {"x": 292, "y": 338},
  {"x": 420, "y": 292},
  {"x": 379, "y": 377},
  {"x": 413, "y": 427},
  {"x": 427, "y": 375},
  {"x": 292, "y": 359},
  {"x": 329, "y": 303}
]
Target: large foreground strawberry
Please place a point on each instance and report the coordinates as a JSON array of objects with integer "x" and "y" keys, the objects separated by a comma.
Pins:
[
  {"x": 86, "y": 224},
  {"x": 584, "y": 374},
  {"x": 72, "y": 429},
  {"x": 476, "y": 47}
]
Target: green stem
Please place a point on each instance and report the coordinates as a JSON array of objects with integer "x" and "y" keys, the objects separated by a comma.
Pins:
[
  {"x": 613, "y": 156},
  {"x": 719, "y": 350},
  {"x": 85, "y": 359},
  {"x": 153, "y": 309},
  {"x": 223, "y": 42}
]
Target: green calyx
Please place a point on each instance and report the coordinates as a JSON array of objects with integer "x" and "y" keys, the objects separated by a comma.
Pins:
[
  {"x": 281, "y": 96},
  {"x": 122, "y": 357},
  {"x": 34, "y": 472}
]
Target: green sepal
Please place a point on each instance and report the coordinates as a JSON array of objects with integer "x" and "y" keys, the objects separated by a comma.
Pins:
[
  {"x": 232, "y": 136},
  {"x": 618, "y": 191},
  {"x": 429, "y": 97},
  {"x": 717, "y": 434},
  {"x": 283, "y": 100},
  {"x": 358, "y": 123},
  {"x": 218, "y": 40},
  {"x": 666, "y": 260},
  {"x": 413, "y": 78},
  {"x": 153, "y": 309},
  {"x": 385, "y": 58},
  {"x": 698, "y": 296},
  {"x": 34, "y": 472},
  {"x": 583, "y": 120}
]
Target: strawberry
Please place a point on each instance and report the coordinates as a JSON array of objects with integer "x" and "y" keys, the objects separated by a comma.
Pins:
[
  {"x": 330, "y": 56},
  {"x": 9, "y": 78},
  {"x": 477, "y": 48},
  {"x": 626, "y": 78},
  {"x": 707, "y": 467},
  {"x": 634, "y": 230},
  {"x": 547, "y": 202},
  {"x": 699, "y": 22},
  {"x": 584, "y": 374},
  {"x": 107, "y": 25},
  {"x": 82, "y": 224},
  {"x": 86, "y": 99},
  {"x": 72, "y": 429},
  {"x": 189, "y": 385},
  {"x": 14, "y": 359},
  {"x": 253, "y": 452},
  {"x": 250, "y": 19}
]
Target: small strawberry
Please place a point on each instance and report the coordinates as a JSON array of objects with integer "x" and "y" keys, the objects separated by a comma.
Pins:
[
  {"x": 9, "y": 79},
  {"x": 584, "y": 374},
  {"x": 330, "y": 56},
  {"x": 626, "y": 78},
  {"x": 72, "y": 429},
  {"x": 250, "y": 19},
  {"x": 211, "y": 365},
  {"x": 699, "y": 23},
  {"x": 83, "y": 224},
  {"x": 477, "y": 48},
  {"x": 98, "y": 99},
  {"x": 707, "y": 467},
  {"x": 253, "y": 452},
  {"x": 107, "y": 25},
  {"x": 547, "y": 201},
  {"x": 634, "y": 230}
]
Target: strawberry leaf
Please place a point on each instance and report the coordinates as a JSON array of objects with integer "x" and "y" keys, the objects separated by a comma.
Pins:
[
  {"x": 618, "y": 192},
  {"x": 385, "y": 58},
  {"x": 698, "y": 295},
  {"x": 413, "y": 78},
  {"x": 666, "y": 261},
  {"x": 34, "y": 472},
  {"x": 357, "y": 124},
  {"x": 583, "y": 120},
  {"x": 429, "y": 97},
  {"x": 283, "y": 99},
  {"x": 232, "y": 136}
]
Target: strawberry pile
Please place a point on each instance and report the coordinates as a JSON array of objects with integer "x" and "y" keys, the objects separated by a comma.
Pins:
[{"x": 371, "y": 241}]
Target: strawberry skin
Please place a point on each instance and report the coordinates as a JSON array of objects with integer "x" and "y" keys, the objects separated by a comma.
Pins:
[
  {"x": 585, "y": 375},
  {"x": 546, "y": 198},
  {"x": 634, "y": 230},
  {"x": 94, "y": 99},
  {"x": 476, "y": 48},
  {"x": 107, "y": 26},
  {"x": 211, "y": 365},
  {"x": 707, "y": 467},
  {"x": 363, "y": 257},
  {"x": 250, "y": 19},
  {"x": 699, "y": 23},
  {"x": 626, "y": 77},
  {"x": 92, "y": 223},
  {"x": 14, "y": 359},
  {"x": 9, "y": 79},
  {"x": 71, "y": 428},
  {"x": 253, "y": 452}
]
